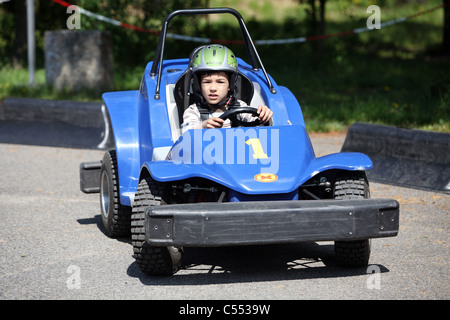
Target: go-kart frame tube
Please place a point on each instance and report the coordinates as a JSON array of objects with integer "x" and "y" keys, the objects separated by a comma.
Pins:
[
  {"x": 251, "y": 49},
  {"x": 251, "y": 223}
]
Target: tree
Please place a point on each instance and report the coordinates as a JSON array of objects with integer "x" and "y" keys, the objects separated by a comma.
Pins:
[
  {"x": 446, "y": 37},
  {"x": 19, "y": 49},
  {"x": 316, "y": 12}
]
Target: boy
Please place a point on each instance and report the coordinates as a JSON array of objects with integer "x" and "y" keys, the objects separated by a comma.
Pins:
[{"x": 214, "y": 83}]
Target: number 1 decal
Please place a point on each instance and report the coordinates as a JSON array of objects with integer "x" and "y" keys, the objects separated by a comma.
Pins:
[{"x": 258, "y": 151}]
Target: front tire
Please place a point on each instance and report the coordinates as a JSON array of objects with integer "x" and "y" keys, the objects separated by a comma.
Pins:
[
  {"x": 354, "y": 253},
  {"x": 116, "y": 218},
  {"x": 152, "y": 260}
]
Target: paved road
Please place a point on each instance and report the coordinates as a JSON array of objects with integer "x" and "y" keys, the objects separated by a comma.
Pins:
[{"x": 53, "y": 244}]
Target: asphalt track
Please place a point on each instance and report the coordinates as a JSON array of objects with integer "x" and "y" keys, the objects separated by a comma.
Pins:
[{"x": 53, "y": 244}]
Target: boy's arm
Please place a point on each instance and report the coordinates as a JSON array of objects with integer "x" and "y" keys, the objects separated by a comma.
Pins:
[
  {"x": 191, "y": 119},
  {"x": 248, "y": 117}
]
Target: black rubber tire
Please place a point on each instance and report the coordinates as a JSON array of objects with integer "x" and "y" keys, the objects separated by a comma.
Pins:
[
  {"x": 152, "y": 260},
  {"x": 355, "y": 253},
  {"x": 116, "y": 217}
]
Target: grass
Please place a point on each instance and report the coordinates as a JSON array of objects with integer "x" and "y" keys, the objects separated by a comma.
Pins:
[
  {"x": 358, "y": 88},
  {"x": 14, "y": 83},
  {"x": 390, "y": 76}
]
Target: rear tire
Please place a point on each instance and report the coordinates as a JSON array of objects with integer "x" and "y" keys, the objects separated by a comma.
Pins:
[
  {"x": 152, "y": 260},
  {"x": 354, "y": 253},
  {"x": 116, "y": 217}
]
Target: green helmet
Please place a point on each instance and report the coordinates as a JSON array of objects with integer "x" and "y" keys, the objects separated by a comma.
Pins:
[{"x": 215, "y": 57}]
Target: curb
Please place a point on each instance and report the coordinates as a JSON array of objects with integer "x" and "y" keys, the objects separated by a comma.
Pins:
[
  {"x": 74, "y": 113},
  {"x": 406, "y": 157},
  {"x": 81, "y": 114}
]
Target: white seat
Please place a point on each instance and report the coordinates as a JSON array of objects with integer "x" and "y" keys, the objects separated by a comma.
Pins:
[
  {"x": 257, "y": 99},
  {"x": 172, "y": 110}
]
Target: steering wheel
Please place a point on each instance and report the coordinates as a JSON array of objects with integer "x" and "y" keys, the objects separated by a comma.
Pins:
[{"x": 235, "y": 111}]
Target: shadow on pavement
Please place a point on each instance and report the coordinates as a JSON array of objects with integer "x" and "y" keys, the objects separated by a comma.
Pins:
[{"x": 218, "y": 265}]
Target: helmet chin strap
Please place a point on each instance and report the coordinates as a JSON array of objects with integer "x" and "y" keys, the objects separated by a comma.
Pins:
[
  {"x": 225, "y": 102},
  {"x": 231, "y": 100}
]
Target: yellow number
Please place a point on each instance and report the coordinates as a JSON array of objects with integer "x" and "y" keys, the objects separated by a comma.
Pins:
[{"x": 258, "y": 152}]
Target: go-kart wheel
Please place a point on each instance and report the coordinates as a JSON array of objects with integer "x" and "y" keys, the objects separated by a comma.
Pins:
[
  {"x": 152, "y": 260},
  {"x": 116, "y": 217},
  {"x": 354, "y": 253},
  {"x": 235, "y": 111}
]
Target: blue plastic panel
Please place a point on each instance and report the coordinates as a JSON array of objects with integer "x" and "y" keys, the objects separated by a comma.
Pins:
[{"x": 284, "y": 159}]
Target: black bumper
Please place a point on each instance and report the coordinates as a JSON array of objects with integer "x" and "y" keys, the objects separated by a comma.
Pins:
[
  {"x": 249, "y": 223},
  {"x": 90, "y": 176}
]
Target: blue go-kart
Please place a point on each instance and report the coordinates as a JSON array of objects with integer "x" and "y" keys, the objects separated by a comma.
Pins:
[{"x": 245, "y": 185}]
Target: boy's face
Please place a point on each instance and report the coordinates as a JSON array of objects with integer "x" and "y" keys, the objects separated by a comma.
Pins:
[{"x": 215, "y": 87}]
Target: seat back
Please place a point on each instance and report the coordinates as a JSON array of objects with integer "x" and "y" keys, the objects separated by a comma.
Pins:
[{"x": 173, "y": 112}]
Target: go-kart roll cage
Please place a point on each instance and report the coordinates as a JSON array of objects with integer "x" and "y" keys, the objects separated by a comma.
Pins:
[{"x": 255, "y": 60}]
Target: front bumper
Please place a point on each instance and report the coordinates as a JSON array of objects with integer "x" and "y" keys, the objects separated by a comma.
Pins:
[{"x": 249, "y": 223}]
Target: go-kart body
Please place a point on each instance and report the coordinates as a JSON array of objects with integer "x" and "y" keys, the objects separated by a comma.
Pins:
[
  {"x": 145, "y": 133},
  {"x": 233, "y": 186}
]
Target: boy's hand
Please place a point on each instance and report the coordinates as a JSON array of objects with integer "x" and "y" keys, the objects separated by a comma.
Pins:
[
  {"x": 213, "y": 122},
  {"x": 264, "y": 114}
]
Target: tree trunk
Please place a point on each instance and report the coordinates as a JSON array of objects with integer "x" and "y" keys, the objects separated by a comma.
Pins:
[
  {"x": 19, "y": 49},
  {"x": 317, "y": 26},
  {"x": 321, "y": 26},
  {"x": 446, "y": 37}
]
